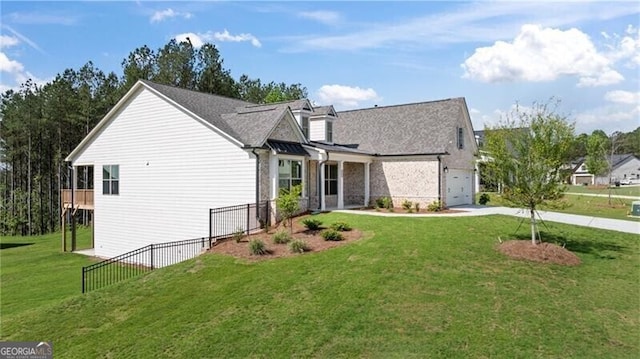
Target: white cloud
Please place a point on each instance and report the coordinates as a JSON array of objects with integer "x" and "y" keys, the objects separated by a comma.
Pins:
[
  {"x": 340, "y": 95},
  {"x": 7, "y": 41},
  {"x": 196, "y": 40},
  {"x": 226, "y": 36},
  {"x": 322, "y": 16},
  {"x": 23, "y": 38},
  {"x": 624, "y": 47},
  {"x": 8, "y": 65},
  {"x": 542, "y": 54},
  {"x": 623, "y": 97},
  {"x": 200, "y": 38},
  {"x": 169, "y": 13}
]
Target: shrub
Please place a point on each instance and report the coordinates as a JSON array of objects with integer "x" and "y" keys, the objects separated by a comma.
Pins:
[
  {"x": 298, "y": 246},
  {"x": 484, "y": 199},
  {"x": 332, "y": 235},
  {"x": 257, "y": 247},
  {"x": 288, "y": 204},
  {"x": 281, "y": 237},
  {"x": 387, "y": 202},
  {"x": 384, "y": 202},
  {"x": 238, "y": 234},
  {"x": 416, "y": 206},
  {"x": 312, "y": 223},
  {"x": 407, "y": 205},
  {"x": 434, "y": 206},
  {"x": 341, "y": 226}
]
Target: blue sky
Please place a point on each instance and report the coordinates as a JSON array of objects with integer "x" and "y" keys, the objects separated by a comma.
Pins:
[{"x": 360, "y": 54}]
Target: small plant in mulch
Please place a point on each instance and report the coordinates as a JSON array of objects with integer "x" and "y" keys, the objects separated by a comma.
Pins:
[
  {"x": 298, "y": 246},
  {"x": 341, "y": 226},
  {"x": 281, "y": 237},
  {"x": 312, "y": 224},
  {"x": 257, "y": 247},
  {"x": 434, "y": 206},
  {"x": 407, "y": 205},
  {"x": 484, "y": 199},
  {"x": 416, "y": 206},
  {"x": 238, "y": 234},
  {"x": 332, "y": 235}
]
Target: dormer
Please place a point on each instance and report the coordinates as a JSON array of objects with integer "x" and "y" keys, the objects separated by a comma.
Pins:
[
  {"x": 321, "y": 124},
  {"x": 302, "y": 111}
]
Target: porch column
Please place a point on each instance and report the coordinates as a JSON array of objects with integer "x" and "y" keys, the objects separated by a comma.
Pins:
[
  {"x": 321, "y": 194},
  {"x": 476, "y": 174},
  {"x": 366, "y": 183},
  {"x": 340, "y": 185},
  {"x": 273, "y": 176}
]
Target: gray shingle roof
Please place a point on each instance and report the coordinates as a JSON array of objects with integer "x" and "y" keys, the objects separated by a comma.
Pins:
[
  {"x": 418, "y": 128},
  {"x": 245, "y": 121},
  {"x": 338, "y": 148},
  {"x": 208, "y": 107}
]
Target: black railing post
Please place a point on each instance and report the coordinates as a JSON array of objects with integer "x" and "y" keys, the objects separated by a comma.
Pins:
[
  {"x": 151, "y": 246},
  {"x": 83, "y": 279},
  {"x": 210, "y": 225},
  {"x": 248, "y": 217}
]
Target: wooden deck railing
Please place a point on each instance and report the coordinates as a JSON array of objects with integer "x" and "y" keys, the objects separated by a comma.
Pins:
[{"x": 82, "y": 198}]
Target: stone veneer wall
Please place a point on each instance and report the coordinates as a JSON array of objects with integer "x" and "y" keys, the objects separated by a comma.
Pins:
[
  {"x": 413, "y": 180},
  {"x": 312, "y": 188},
  {"x": 284, "y": 132},
  {"x": 353, "y": 183}
]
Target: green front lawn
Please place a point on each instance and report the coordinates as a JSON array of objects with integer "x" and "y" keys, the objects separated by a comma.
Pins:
[
  {"x": 603, "y": 190},
  {"x": 413, "y": 287},
  {"x": 582, "y": 205}
]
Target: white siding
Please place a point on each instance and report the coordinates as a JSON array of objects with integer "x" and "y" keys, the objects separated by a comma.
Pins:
[
  {"x": 317, "y": 130},
  {"x": 172, "y": 170}
]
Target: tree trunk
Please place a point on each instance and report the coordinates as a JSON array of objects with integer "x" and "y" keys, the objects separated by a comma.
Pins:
[{"x": 533, "y": 226}]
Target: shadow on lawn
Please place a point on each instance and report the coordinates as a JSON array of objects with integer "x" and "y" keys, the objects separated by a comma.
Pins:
[
  {"x": 601, "y": 249},
  {"x": 13, "y": 245}
]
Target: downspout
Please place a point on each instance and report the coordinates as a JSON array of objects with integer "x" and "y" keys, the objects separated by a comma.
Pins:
[
  {"x": 440, "y": 181},
  {"x": 253, "y": 150}
]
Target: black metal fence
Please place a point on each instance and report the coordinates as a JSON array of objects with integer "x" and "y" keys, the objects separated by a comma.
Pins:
[
  {"x": 225, "y": 221},
  {"x": 141, "y": 260}
]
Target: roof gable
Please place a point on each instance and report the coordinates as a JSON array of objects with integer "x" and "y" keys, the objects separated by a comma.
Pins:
[{"x": 419, "y": 128}]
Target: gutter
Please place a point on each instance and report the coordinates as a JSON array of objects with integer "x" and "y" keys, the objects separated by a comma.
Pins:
[{"x": 253, "y": 150}]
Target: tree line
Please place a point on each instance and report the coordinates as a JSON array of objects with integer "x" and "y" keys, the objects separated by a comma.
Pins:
[{"x": 41, "y": 124}]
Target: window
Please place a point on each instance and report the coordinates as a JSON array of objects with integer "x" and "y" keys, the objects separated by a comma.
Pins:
[
  {"x": 460, "y": 138},
  {"x": 111, "y": 179},
  {"x": 329, "y": 127},
  {"x": 305, "y": 126},
  {"x": 330, "y": 179},
  {"x": 289, "y": 174}
]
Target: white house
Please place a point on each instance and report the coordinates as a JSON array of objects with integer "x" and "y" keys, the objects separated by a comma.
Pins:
[
  {"x": 624, "y": 167},
  {"x": 163, "y": 156}
]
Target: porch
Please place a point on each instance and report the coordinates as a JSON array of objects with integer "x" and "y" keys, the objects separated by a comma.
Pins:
[{"x": 77, "y": 199}]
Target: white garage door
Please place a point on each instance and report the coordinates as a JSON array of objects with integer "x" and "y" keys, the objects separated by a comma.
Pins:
[{"x": 458, "y": 187}]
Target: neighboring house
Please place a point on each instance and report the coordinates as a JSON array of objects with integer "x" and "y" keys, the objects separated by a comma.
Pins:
[
  {"x": 163, "y": 156},
  {"x": 623, "y": 167}
]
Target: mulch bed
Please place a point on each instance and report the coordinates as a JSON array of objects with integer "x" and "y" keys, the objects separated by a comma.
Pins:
[
  {"x": 542, "y": 252},
  {"x": 313, "y": 239}
]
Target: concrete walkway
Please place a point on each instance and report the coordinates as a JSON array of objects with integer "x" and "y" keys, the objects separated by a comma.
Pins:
[
  {"x": 585, "y": 221},
  {"x": 603, "y": 195}
]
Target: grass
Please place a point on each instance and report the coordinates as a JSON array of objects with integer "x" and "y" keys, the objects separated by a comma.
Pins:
[
  {"x": 413, "y": 287},
  {"x": 615, "y": 191},
  {"x": 34, "y": 272},
  {"x": 583, "y": 205}
]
